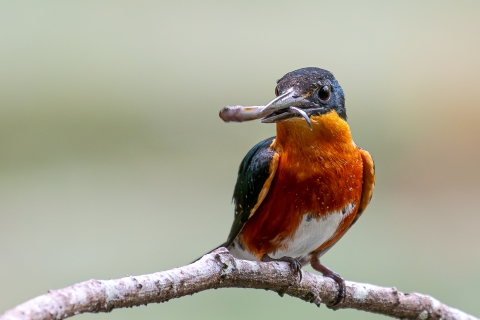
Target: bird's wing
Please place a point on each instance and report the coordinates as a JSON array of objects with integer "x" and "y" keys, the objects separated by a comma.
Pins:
[
  {"x": 367, "y": 191},
  {"x": 255, "y": 176},
  {"x": 368, "y": 182}
]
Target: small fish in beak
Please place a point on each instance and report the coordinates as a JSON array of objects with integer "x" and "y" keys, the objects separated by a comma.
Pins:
[{"x": 286, "y": 106}]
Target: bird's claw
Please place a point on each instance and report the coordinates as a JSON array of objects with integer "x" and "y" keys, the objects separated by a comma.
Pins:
[
  {"x": 295, "y": 265},
  {"x": 326, "y": 272},
  {"x": 341, "y": 289}
]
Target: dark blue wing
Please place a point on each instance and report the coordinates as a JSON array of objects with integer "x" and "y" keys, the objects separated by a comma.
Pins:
[{"x": 254, "y": 171}]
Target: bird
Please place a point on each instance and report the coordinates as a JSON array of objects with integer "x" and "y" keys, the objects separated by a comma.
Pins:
[{"x": 299, "y": 192}]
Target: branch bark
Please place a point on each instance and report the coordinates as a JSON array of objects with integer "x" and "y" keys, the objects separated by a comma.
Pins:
[{"x": 219, "y": 269}]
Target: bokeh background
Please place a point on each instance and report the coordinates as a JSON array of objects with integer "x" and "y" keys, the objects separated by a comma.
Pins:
[{"x": 113, "y": 160}]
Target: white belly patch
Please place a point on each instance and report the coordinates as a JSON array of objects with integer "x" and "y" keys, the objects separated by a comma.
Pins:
[{"x": 310, "y": 235}]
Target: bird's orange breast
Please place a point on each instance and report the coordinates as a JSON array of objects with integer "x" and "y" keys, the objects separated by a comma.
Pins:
[{"x": 319, "y": 173}]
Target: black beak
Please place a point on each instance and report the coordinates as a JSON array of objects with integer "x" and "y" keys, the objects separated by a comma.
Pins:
[
  {"x": 284, "y": 107},
  {"x": 287, "y": 106}
]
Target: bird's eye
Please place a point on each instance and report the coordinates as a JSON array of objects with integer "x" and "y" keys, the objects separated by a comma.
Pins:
[
  {"x": 276, "y": 91},
  {"x": 324, "y": 93}
]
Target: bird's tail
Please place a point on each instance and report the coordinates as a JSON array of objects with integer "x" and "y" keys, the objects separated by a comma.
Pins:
[{"x": 222, "y": 245}]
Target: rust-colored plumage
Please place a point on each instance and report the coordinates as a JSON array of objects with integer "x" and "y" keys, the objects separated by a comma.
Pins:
[
  {"x": 318, "y": 173},
  {"x": 298, "y": 193}
]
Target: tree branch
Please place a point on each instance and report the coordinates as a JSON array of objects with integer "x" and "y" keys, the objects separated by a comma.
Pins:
[{"x": 219, "y": 269}]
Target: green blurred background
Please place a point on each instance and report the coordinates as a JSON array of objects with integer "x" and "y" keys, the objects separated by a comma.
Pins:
[{"x": 113, "y": 159}]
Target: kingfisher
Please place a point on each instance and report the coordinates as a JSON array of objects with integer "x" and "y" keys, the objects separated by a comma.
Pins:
[{"x": 299, "y": 192}]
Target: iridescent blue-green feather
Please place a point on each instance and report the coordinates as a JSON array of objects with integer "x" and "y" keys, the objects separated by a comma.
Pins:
[{"x": 252, "y": 174}]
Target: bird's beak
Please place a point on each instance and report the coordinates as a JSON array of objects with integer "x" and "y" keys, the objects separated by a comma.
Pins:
[{"x": 286, "y": 106}]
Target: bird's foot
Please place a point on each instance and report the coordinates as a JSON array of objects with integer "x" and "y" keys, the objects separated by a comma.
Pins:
[
  {"x": 326, "y": 272},
  {"x": 341, "y": 288},
  {"x": 294, "y": 264}
]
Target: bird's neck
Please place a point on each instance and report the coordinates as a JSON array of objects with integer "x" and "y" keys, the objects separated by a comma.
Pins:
[{"x": 328, "y": 130}]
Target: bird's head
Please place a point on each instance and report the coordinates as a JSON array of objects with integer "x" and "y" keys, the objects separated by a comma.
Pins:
[{"x": 304, "y": 93}]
